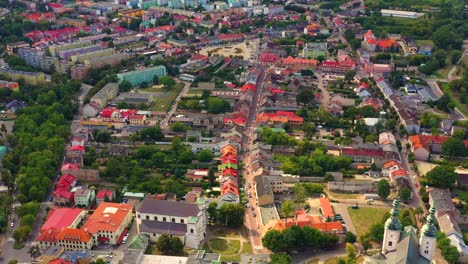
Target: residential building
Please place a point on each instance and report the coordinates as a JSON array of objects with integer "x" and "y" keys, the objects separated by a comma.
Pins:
[
  {"x": 9, "y": 85},
  {"x": 425, "y": 50},
  {"x": 109, "y": 222},
  {"x": 280, "y": 117},
  {"x": 102, "y": 194},
  {"x": 78, "y": 72},
  {"x": 62, "y": 194},
  {"x": 441, "y": 200},
  {"x": 13, "y": 48},
  {"x": 263, "y": 191},
  {"x": 338, "y": 67},
  {"x": 112, "y": 60},
  {"x": 326, "y": 209},
  {"x": 31, "y": 78},
  {"x": 145, "y": 75},
  {"x": 184, "y": 220},
  {"x": 106, "y": 94},
  {"x": 81, "y": 57},
  {"x": 85, "y": 197},
  {"x": 423, "y": 145},
  {"x": 74, "y": 239}
]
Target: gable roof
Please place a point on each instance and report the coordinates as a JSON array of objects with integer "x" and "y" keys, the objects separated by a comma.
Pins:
[
  {"x": 327, "y": 209},
  {"x": 73, "y": 234},
  {"x": 165, "y": 207}
]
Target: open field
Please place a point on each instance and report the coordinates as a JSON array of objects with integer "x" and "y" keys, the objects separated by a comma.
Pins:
[
  {"x": 364, "y": 217},
  {"x": 240, "y": 49},
  {"x": 163, "y": 98},
  {"x": 225, "y": 247}
]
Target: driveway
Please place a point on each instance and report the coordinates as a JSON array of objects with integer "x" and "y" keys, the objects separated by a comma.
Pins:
[{"x": 343, "y": 210}]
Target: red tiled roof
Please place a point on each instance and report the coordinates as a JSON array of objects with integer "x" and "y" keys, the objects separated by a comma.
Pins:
[
  {"x": 248, "y": 86},
  {"x": 292, "y": 61},
  {"x": 327, "y": 209},
  {"x": 235, "y": 120},
  {"x": 69, "y": 166},
  {"x": 391, "y": 163},
  {"x": 76, "y": 148},
  {"x": 387, "y": 43},
  {"x": 229, "y": 171},
  {"x": 400, "y": 172},
  {"x": 107, "y": 217},
  {"x": 425, "y": 141},
  {"x": 103, "y": 193},
  {"x": 107, "y": 112},
  {"x": 228, "y": 187},
  {"x": 230, "y": 36},
  {"x": 362, "y": 152},
  {"x": 60, "y": 261},
  {"x": 269, "y": 57},
  {"x": 59, "y": 218},
  {"x": 73, "y": 234}
]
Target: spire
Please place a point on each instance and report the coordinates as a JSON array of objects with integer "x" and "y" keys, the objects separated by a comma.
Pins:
[
  {"x": 393, "y": 223},
  {"x": 429, "y": 229}
]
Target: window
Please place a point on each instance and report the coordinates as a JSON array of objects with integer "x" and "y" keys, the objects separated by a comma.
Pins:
[
  {"x": 182, "y": 221},
  {"x": 427, "y": 242},
  {"x": 390, "y": 243},
  {"x": 426, "y": 252},
  {"x": 191, "y": 230},
  {"x": 155, "y": 218},
  {"x": 147, "y": 217},
  {"x": 173, "y": 220},
  {"x": 164, "y": 219}
]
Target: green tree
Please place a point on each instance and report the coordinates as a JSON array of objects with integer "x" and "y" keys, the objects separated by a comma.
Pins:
[
  {"x": 288, "y": 208},
  {"x": 178, "y": 127},
  {"x": 125, "y": 86},
  {"x": 349, "y": 76},
  {"x": 28, "y": 220},
  {"x": 405, "y": 194},
  {"x": 350, "y": 237},
  {"x": 349, "y": 34},
  {"x": 13, "y": 261},
  {"x": 376, "y": 232},
  {"x": 454, "y": 147},
  {"x": 231, "y": 215},
  {"x": 350, "y": 251},
  {"x": 151, "y": 133},
  {"x": 205, "y": 155},
  {"x": 419, "y": 211},
  {"x": 280, "y": 258},
  {"x": 216, "y": 105},
  {"x": 274, "y": 240},
  {"x": 143, "y": 85},
  {"x": 155, "y": 79},
  {"x": 383, "y": 189},
  {"x": 455, "y": 56},
  {"x": 442, "y": 176},
  {"x": 300, "y": 193},
  {"x": 365, "y": 242},
  {"x": 167, "y": 81},
  {"x": 213, "y": 212}
]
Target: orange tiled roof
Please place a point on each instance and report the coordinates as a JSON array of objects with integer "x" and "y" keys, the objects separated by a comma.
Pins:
[
  {"x": 73, "y": 234},
  {"x": 326, "y": 207},
  {"x": 391, "y": 163},
  {"x": 107, "y": 217}
]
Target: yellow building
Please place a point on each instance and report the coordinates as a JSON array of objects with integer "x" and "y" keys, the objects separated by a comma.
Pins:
[
  {"x": 31, "y": 78},
  {"x": 129, "y": 15}
]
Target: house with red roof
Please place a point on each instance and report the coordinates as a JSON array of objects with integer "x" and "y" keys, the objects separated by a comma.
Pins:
[
  {"x": 59, "y": 218},
  {"x": 268, "y": 58},
  {"x": 197, "y": 57},
  {"x": 197, "y": 175},
  {"x": 326, "y": 209},
  {"x": 62, "y": 194},
  {"x": 231, "y": 37},
  {"x": 299, "y": 62},
  {"x": 239, "y": 120},
  {"x": 372, "y": 102},
  {"x": 397, "y": 174},
  {"x": 280, "y": 117},
  {"x": 390, "y": 166},
  {"x": 338, "y": 67},
  {"x": 423, "y": 145},
  {"x": 102, "y": 194},
  {"x": 38, "y": 16},
  {"x": 248, "y": 87},
  {"x": 362, "y": 155}
]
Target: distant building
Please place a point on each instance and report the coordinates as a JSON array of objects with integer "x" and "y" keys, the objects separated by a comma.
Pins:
[
  {"x": 425, "y": 50},
  {"x": 263, "y": 191},
  {"x": 145, "y": 75},
  {"x": 9, "y": 85},
  {"x": 400, "y": 13},
  {"x": 107, "y": 93},
  {"x": 13, "y": 48}
]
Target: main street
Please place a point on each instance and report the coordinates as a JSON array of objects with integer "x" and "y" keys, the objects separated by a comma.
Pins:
[{"x": 251, "y": 221}]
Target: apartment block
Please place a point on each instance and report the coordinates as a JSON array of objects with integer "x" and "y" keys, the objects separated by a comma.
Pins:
[
  {"x": 32, "y": 78},
  {"x": 54, "y": 50},
  {"x": 107, "y": 93},
  {"x": 78, "y": 72},
  {"x": 81, "y": 57},
  {"x": 100, "y": 62},
  {"x": 144, "y": 75}
]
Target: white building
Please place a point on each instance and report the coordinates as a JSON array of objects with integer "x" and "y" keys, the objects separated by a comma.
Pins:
[
  {"x": 183, "y": 220},
  {"x": 399, "y": 13}
]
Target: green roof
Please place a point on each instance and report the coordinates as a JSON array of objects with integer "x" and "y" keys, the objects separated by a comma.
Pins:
[
  {"x": 393, "y": 223},
  {"x": 429, "y": 229}
]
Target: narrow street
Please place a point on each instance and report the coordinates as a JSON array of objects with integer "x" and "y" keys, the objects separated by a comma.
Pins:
[
  {"x": 173, "y": 109},
  {"x": 251, "y": 222}
]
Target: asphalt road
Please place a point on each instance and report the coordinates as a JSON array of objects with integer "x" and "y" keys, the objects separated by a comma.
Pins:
[{"x": 173, "y": 108}]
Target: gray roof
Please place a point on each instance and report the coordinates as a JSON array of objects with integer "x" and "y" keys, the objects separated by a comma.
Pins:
[
  {"x": 172, "y": 208},
  {"x": 148, "y": 226},
  {"x": 202, "y": 257},
  {"x": 263, "y": 186},
  {"x": 441, "y": 199},
  {"x": 408, "y": 248}
]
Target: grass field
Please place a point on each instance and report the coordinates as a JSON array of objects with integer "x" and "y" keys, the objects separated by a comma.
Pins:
[
  {"x": 364, "y": 217},
  {"x": 246, "y": 249},
  {"x": 420, "y": 42},
  {"x": 225, "y": 247},
  {"x": 463, "y": 108},
  {"x": 162, "y": 103},
  {"x": 344, "y": 195}
]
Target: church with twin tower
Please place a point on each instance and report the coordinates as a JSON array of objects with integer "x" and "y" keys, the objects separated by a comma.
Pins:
[{"x": 404, "y": 246}]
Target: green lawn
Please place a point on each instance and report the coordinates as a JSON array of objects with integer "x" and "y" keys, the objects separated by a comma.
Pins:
[
  {"x": 420, "y": 42},
  {"x": 225, "y": 247},
  {"x": 462, "y": 194},
  {"x": 364, "y": 217},
  {"x": 344, "y": 195},
  {"x": 454, "y": 98},
  {"x": 163, "y": 102}
]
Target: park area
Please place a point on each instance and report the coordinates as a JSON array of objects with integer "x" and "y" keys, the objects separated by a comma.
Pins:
[
  {"x": 229, "y": 244},
  {"x": 364, "y": 217},
  {"x": 163, "y": 98},
  {"x": 241, "y": 49}
]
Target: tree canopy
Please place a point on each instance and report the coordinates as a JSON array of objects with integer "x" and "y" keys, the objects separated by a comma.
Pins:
[{"x": 443, "y": 176}]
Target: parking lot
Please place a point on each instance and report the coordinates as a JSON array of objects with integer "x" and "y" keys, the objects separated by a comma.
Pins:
[{"x": 342, "y": 209}]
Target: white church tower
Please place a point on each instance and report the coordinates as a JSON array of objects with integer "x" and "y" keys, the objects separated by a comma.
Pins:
[
  {"x": 392, "y": 230},
  {"x": 428, "y": 236}
]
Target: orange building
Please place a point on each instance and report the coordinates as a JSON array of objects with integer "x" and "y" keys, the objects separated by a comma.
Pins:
[{"x": 109, "y": 222}]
